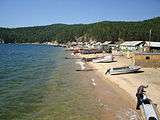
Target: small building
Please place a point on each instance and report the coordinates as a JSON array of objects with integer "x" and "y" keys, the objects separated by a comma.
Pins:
[
  {"x": 132, "y": 45},
  {"x": 152, "y": 46},
  {"x": 108, "y": 46},
  {"x": 147, "y": 60},
  {"x": 97, "y": 45}
]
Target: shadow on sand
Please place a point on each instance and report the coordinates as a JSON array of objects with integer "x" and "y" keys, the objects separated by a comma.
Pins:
[{"x": 87, "y": 70}]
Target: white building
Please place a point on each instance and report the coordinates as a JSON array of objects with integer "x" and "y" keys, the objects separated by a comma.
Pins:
[
  {"x": 154, "y": 46},
  {"x": 132, "y": 45}
]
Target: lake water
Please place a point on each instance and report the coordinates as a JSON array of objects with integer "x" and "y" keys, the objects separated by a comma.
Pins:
[{"x": 38, "y": 83}]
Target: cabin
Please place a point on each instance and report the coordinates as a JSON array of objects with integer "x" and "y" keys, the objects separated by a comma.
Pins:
[
  {"x": 96, "y": 45},
  {"x": 152, "y": 46},
  {"x": 147, "y": 60},
  {"x": 107, "y": 46},
  {"x": 132, "y": 45}
]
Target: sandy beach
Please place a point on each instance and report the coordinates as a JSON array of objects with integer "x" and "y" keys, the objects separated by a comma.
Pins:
[
  {"x": 113, "y": 102},
  {"x": 130, "y": 82}
]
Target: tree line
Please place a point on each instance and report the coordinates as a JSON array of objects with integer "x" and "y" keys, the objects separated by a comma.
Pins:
[{"x": 100, "y": 31}]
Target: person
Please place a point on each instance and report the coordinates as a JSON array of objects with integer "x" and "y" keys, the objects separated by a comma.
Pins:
[{"x": 139, "y": 95}]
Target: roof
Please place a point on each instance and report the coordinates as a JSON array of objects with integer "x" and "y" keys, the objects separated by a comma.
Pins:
[
  {"x": 107, "y": 42},
  {"x": 98, "y": 43},
  {"x": 147, "y": 53},
  {"x": 131, "y": 43},
  {"x": 153, "y": 44}
]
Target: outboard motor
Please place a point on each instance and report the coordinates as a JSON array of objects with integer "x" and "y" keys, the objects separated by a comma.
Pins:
[{"x": 108, "y": 71}]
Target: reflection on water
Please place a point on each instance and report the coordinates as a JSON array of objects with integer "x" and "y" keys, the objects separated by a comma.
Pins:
[{"x": 36, "y": 82}]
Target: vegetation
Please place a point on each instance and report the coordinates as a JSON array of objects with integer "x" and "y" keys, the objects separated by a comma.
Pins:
[{"x": 101, "y": 31}]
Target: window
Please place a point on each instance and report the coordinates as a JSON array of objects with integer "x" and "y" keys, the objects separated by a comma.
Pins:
[{"x": 147, "y": 58}]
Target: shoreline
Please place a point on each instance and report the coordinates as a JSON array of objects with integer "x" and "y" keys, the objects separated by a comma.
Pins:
[
  {"x": 130, "y": 82},
  {"x": 117, "y": 103},
  {"x": 112, "y": 95}
]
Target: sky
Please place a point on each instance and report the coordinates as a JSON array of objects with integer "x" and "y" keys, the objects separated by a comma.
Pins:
[{"x": 20, "y": 13}]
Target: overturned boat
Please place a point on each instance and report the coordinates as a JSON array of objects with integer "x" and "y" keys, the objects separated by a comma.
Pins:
[
  {"x": 123, "y": 70},
  {"x": 104, "y": 59},
  {"x": 149, "y": 110}
]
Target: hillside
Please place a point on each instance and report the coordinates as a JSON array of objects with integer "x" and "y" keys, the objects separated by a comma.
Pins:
[{"x": 101, "y": 31}]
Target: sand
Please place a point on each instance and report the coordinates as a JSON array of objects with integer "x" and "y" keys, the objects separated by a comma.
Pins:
[
  {"x": 113, "y": 102},
  {"x": 130, "y": 82}
]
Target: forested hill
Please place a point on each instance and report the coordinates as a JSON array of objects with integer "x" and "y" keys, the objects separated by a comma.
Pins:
[{"x": 101, "y": 31}]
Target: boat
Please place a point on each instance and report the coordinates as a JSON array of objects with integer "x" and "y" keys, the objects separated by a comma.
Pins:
[
  {"x": 91, "y": 51},
  {"x": 149, "y": 110},
  {"x": 122, "y": 70},
  {"x": 88, "y": 59},
  {"x": 104, "y": 59}
]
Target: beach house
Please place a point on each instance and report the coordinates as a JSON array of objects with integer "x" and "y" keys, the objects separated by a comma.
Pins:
[
  {"x": 108, "y": 46},
  {"x": 152, "y": 46},
  {"x": 96, "y": 45},
  {"x": 132, "y": 45}
]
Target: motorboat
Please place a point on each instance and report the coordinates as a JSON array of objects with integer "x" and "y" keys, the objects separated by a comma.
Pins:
[
  {"x": 149, "y": 110},
  {"x": 123, "y": 70},
  {"x": 91, "y": 51},
  {"x": 88, "y": 59}
]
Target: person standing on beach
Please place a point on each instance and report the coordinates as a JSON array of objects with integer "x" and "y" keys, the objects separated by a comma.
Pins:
[{"x": 139, "y": 95}]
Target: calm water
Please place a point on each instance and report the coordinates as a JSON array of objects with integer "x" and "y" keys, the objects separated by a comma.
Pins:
[{"x": 37, "y": 83}]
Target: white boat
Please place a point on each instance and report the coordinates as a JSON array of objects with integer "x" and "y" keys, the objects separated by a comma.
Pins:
[
  {"x": 104, "y": 59},
  {"x": 148, "y": 109},
  {"x": 122, "y": 70}
]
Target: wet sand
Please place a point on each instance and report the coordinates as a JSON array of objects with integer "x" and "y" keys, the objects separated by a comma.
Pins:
[{"x": 114, "y": 102}]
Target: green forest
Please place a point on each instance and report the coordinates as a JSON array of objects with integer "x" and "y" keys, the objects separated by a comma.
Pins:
[{"x": 100, "y": 31}]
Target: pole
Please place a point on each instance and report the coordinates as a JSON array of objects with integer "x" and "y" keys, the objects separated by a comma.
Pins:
[{"x": 150, "y": 33}]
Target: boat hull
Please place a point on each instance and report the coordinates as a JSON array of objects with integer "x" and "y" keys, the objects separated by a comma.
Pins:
[
  {"x": 122, "y": 70},
  {"x": 148, "y": 109},
  {"x": 102, "y": 61}
]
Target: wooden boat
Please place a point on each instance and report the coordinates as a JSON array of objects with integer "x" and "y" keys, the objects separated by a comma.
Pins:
[
  {"x": 122, "y": 70},
  {"x": 90, "y": 51},
  {"x": 149, "y": 110},
  {"x": 104, "y": 59},
  {"x": 88, "y": 59}
]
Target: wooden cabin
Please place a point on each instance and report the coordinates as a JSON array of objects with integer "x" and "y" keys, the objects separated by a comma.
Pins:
[{"x": 147, "y": 60}]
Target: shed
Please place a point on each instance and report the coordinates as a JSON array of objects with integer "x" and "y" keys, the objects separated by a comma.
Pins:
[
  {"x": 108, "y": 46},
  {"x": 107, "y": 43},
  {"x": 147, "y": 60},
  {"x": 97, "y": 45},
  {"x": 153, "y": 46},
  {"x": 132, "y": 45}
]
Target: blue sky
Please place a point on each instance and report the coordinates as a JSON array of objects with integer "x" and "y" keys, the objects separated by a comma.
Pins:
[{"x": 18, "y": 13}]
